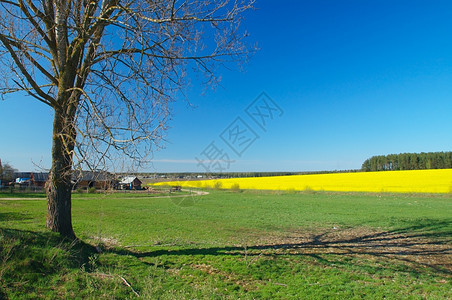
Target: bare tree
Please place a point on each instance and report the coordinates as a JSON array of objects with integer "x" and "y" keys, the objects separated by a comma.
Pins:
[
  {"x": 109, "y": 69},
  {"x": 6, "y": 172}
]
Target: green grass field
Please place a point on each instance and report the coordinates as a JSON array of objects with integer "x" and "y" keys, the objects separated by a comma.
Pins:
[{"x": 261, "y": 245}]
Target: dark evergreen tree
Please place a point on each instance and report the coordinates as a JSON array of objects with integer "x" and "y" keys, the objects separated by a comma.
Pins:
[{"x": 408, "y": 161}]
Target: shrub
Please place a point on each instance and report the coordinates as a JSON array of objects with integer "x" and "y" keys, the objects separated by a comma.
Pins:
[
  {"x": 217, "y": 185},
  {"x": 291, "y": 191},
  {"x": 92, "y": 190},
  {"x": 309, "y": 190},
  {"x": 235, "y": 187}
]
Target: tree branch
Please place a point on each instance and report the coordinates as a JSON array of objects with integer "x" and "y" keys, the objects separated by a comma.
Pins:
[{"x": 6, "y": 43}]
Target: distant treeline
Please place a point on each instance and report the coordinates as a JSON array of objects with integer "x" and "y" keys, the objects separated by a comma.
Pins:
[
  {"x": 189, "y": 175},
  {"x": 409, "y": 161},
  {"x": 270, "y": 174}
]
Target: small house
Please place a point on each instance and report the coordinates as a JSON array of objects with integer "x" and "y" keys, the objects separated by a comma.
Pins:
[
  {"x": 30, "y": 179},
  {"x": 130, "y": 183}
]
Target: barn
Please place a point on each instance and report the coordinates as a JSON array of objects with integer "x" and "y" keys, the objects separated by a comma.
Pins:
[
  {"x": 93, "y": 179},
  {"x": 39, "y": 179}
]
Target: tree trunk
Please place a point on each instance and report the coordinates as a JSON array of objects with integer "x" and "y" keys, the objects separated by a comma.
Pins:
[{"x": 58, "y": 186}]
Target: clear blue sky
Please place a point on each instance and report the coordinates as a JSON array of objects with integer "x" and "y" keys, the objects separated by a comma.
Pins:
[{"x": 353, "y": 79}]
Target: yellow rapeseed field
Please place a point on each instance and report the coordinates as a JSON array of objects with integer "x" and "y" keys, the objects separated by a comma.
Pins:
[{"x": 413, "y": 181}]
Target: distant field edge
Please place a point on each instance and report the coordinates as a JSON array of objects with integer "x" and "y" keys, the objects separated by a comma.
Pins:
[{"x": 436, "y": 181}]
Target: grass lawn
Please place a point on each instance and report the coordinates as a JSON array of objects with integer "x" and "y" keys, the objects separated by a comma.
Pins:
[{"x": 231, "y": 245}]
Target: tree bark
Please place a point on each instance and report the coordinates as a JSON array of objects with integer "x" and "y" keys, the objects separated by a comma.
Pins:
[{"x": 59, "y": 186}]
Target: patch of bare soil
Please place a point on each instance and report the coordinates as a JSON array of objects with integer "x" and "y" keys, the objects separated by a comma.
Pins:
[
  {"x": 245, "y": 284},
  {"x": 412, "y": 248}
]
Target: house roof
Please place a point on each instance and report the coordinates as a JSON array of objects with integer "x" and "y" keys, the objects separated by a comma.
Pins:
[
  {"x": 129, "y": 180},
  {"x": 41, "y": 177},
  {"x": 92, "y": 176},
  {"x": 21, "y": 180},
  {"x": 22, "y": 174},
  {"x": 36, "y": 176}
]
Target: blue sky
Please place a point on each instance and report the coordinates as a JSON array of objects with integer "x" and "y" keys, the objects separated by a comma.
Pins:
[{"x": 353, "y": 79}]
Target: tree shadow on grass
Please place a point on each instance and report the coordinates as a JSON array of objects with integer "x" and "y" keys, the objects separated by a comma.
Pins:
[
  {"x": 29, "y": 247},
  {"x": 14, "y": 216},
  {"x": 425, "y": 244},
  {"x": 33, "y": 263}
]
